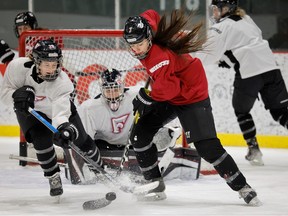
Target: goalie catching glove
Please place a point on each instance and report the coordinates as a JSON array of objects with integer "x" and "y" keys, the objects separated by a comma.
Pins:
[
  {"x": 24, "y": 98},
  {"x": 6, "y": 54},
  {"x": 67, "y": 132},
  {"x": 142, "y": 103}
]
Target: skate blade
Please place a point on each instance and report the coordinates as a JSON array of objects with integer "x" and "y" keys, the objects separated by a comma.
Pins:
[
  {"x": 255, "y": 202},
  {"x": 143, "y": 189},
  {"x": 256, "y": 161},
  {"x": 57, "y": 199},
  {"x": 152, "y": 197}
]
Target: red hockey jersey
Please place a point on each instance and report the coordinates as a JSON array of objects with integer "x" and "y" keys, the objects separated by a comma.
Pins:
[{"x": 177, "y": 79}]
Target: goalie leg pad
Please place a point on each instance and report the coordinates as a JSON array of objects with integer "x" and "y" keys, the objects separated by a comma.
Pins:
[{"x": 166, "y": 137}]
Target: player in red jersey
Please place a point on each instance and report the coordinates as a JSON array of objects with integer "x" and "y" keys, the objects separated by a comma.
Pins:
[{"x": 179, "y": 89}]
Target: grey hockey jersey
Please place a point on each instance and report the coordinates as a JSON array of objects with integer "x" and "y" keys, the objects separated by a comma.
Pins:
[{"x": 51, "y": 98}]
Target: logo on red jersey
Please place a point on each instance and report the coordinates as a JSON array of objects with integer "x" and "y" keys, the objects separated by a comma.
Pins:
[{"x": 159, "y": 65}]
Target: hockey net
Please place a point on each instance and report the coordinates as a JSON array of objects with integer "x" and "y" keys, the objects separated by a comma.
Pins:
[{"x": 86, "y": 53}]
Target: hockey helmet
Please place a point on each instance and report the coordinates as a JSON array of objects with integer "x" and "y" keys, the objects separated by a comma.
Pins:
[
  {"x": 47, "y": 50},
  {"x": 137, "y": 29},
  {"x": 217, "y": 6},
  {"x": 112, "y": 88},
  {"x": 25, "y": 18}
]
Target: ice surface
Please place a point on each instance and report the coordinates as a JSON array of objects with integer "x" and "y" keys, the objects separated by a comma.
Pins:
[{"x": 24, "y": 191}]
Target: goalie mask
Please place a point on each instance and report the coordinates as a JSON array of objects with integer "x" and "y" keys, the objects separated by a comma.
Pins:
[
  {"x": 24, "y": 18},
  {"x": 136, "y": 30},
  {"x": 112, "y": 88},
  {"x": 46, "y": 53},
  {"x": 216, "y": 9}
]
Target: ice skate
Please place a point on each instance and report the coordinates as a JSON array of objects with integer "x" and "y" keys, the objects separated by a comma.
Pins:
[
  {"x": 55, "y": 185},
  {"x": 254, "y": 155},
  {"x": 153, "y": 191},
  {"x": 249, "y": 195}
]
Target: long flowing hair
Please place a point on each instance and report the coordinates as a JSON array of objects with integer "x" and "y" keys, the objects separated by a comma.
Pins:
[{"x": 180, "y": 35}]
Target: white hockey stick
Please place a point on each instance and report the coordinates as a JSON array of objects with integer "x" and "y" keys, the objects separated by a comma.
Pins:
[{"x": 33, "y": 160}]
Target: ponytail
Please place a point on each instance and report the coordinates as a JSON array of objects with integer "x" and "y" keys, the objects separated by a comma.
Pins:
[{"x": 179, "y": 35}]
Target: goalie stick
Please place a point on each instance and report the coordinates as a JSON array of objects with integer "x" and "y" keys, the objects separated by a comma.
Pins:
[{"x": 87, "y": 159}]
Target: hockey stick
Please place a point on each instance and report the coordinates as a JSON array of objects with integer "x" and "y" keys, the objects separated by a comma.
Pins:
[
  {"x": 32, "y": 160},
  {"x": 99, "y": 203},
  {"x": 87, "y": 159},
  {"x": 84, "y": 74}
]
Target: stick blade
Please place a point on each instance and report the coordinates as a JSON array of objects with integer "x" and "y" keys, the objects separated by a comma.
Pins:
[{"x": 96, "y": 204}]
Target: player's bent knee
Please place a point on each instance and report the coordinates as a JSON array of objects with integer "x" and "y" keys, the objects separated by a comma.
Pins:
[
  {"x": 140, "y": 137},
  {"x": 210, "y": 149}
]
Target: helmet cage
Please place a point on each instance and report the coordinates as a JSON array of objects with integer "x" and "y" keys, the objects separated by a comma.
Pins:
[
  {"x": 25, "y": 18},
  {"x": 112, "y": 88},
  {"x": 47, "y": 50}
]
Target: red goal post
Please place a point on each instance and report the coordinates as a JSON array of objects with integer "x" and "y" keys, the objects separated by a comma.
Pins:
[{"x": 86, "y": 53}]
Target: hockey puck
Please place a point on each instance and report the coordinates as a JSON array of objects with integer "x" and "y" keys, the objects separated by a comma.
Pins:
[{"x": 111, "y": 196}]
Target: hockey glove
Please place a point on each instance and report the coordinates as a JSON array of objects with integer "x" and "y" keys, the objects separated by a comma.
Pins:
[
  {"x": 142, "y": 102},
  {"x": 6, "y": 54},
  {"x": 67, "y": 132},
  {"x": 24, "y": 98}
]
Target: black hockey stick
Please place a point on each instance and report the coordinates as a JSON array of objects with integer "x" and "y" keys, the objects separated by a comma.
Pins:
[
  {"x": 126, "y": 148},
  {"x": 87, "y": 159},
  {"x": 99, "y": 203},
  {"x": 83, "y": 74}
]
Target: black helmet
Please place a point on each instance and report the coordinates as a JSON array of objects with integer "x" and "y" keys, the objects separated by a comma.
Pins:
[
  {"x": 136, "y": 29},
  {"x": 25, "y": 18},
  {"x": 230, "y": 3},
  {"x": 216, "y": 7},
  {"x": 47, "y": 50},
  {"x": 112, "y": 88}
]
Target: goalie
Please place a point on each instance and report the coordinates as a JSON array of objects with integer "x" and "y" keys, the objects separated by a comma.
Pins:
[{"x": 109, "y": 116}]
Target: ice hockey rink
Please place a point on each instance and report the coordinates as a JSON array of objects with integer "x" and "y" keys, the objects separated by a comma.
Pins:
[{"x": 24, "y": 191}]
